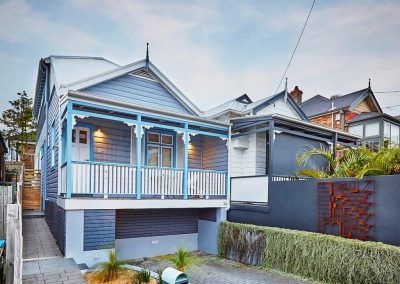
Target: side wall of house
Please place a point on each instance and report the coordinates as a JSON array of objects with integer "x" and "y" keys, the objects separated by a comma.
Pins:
[
  {"x": 250, "y": 161},
  {"x": 52, "y": 171},
  {"x": 286, "y": 147}
]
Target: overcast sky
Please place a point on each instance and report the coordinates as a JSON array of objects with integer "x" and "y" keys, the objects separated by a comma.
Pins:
[{"x": 213, "y": 50}]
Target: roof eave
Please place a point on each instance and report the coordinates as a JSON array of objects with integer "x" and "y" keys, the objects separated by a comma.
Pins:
[{"x": 94, "y": 98}]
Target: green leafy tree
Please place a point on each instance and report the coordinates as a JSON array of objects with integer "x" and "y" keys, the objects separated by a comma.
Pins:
[{"x": 18, "y": 122}]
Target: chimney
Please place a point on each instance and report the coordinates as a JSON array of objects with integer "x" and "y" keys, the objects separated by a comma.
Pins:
[{"x": 297, "y": 95}]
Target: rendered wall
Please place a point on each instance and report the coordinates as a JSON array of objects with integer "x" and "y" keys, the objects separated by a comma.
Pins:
[{"x": 293, "y": 205}]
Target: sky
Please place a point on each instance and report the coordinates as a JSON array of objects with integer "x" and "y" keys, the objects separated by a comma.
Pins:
[{"x": 213, "y": 50}]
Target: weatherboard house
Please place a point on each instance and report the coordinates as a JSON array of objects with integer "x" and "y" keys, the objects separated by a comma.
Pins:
[
  {"x": 128, "y": 161},
  {"x": 266, "y": 137}
]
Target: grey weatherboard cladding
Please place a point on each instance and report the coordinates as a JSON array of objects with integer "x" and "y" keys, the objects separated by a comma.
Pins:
[
  {"x": 133, "y": 89},
  {"x": 55, "y": 218},
  {"x": 99, "y": 229},
  {"x": 155, "y": 222}
]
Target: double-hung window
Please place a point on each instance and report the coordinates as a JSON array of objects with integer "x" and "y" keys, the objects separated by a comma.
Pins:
[{"x": 160, "y": 149}]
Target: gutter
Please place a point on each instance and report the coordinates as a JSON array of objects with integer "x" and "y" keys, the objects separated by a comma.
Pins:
[
  {"x": 305, "y": 124},
  {"x": 94, "y": 98}
]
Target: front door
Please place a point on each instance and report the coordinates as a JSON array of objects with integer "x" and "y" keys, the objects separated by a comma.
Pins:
[{"x": 81, "y": 144}]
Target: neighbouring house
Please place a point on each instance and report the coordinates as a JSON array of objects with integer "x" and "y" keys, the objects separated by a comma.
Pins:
[
  {"x": 266, "y": 137},
  {"x": 376, "y": 129},
  {"x": 3, "y": 153},
  {"x": 337, "y": 111},
  {"x": 127, "y": 160},
  {"x": 358, "y": 112}
]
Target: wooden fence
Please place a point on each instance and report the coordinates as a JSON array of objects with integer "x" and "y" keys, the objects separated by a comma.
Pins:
[
  {"x": 6, "y": 197},
  {"x": 13, "y": 268}
]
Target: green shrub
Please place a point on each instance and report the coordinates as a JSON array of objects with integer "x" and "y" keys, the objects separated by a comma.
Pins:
[
  {"x": 142, "y": 276},
  {"x": 320, "y": 257},
  {"x": 110, "y": 269}
]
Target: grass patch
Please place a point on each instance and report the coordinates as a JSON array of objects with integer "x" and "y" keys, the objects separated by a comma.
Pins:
[{"x": 320, "y": 257}]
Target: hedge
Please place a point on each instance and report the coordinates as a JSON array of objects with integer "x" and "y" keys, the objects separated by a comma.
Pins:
[{"x": 315, "y": 256}]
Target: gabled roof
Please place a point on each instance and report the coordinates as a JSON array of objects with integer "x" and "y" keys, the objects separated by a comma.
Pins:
[
  {"x": 370, "y": 115},
  {"x": 238, "y": 106},
  {"x": 68, "y": 69},
  {"x": 319, "y": 105},
  {"x": 123, "y": 70},
  {"x": 75, "y": 73}
]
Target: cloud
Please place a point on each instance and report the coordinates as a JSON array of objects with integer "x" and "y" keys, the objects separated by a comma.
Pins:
[{"x": 213, "y": 50}]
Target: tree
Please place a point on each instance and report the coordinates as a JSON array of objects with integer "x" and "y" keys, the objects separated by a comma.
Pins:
[{"x": 18, "y": 121}]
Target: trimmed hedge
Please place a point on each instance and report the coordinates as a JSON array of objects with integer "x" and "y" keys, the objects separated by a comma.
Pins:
[{"x": 320, "y": 257}]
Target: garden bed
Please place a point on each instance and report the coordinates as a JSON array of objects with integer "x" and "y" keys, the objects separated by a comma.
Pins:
[{"x": 311, "y": 255}]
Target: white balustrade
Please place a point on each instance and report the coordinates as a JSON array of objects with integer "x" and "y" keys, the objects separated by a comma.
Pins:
[
  {"x": 206, "y": 183},
  {"x": 162, "y": 181},
  {"x": 103, "y": 178}
]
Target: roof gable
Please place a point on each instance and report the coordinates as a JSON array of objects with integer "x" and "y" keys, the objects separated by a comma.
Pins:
[
  {"x": 136, "y": 68},
  {"x": 318, "y": 105},
  {"x": 260, "y": 105},
  {"x": 138, "y": 90}
]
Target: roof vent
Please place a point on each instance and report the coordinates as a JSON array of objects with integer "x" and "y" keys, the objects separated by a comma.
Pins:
[
  {"x": 244, "y": 99},
  {"x": 144, "y": 74}
]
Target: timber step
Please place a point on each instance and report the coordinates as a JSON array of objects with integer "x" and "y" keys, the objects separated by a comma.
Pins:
[{"x": 32, "y": 213}]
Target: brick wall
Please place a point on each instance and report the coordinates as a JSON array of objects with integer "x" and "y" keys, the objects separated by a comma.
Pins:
[{"x": 326, "y": 119}]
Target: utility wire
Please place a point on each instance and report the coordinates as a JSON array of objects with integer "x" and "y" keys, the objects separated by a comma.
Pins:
[
  {"x": 386, "y": 92},
  {"x": 392, "y": 106},
  {"x": 297, "y": 44}
]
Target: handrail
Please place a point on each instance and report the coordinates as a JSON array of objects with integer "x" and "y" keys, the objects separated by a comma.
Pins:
[
  {"x": 207, "y": 171},
  {"x": 161, "y": 168},
  {"x": 103, "y": 163}
]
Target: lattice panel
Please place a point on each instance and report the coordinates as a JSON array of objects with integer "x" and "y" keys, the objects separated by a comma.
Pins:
[{"x": 345, "y": 208}]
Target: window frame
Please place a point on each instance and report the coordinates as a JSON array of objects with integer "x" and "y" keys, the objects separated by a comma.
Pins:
[
  {"x": 160, "y": 145},
  {"x": 52, "y": 145}
]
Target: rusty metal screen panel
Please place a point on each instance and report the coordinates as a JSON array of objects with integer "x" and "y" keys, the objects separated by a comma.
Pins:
[{"x": 346, "y": 208}]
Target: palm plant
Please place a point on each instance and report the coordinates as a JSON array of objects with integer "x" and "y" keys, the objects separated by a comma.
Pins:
[
  {"x": 358, "y": 162},
  {"x": 180, "y": 259},
  {"x": 109, "y": 270}
]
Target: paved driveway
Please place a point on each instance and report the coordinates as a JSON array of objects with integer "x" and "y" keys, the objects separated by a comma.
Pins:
[
  {"x": 210, "y": 269},
  {"x": 43, "y": 261}
]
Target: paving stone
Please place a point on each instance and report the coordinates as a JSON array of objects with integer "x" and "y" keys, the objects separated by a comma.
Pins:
[{"x": 51, "y": 268}]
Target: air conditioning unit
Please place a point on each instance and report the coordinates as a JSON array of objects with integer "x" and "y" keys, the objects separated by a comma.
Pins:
[{"x": 240, "y": 143}]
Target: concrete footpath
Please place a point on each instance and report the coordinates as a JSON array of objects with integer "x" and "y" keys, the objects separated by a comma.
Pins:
[{"x": 43, "y": 261}]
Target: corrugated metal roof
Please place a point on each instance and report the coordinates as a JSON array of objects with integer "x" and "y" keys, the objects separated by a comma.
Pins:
[
  {"x": 235, "y": 105},
  {"x": 69, "y": 69},
  {"x": 318, "y": 105}
]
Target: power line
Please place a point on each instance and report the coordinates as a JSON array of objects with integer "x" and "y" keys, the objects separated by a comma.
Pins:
[
  {"x": 392, "y": 106},
  {"x": 297, "y": 44},
  {"x": 386, "y": 92}
]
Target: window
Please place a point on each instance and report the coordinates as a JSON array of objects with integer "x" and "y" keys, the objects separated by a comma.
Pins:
[
  {"x": 394, "y": 133},
  {"x": 160, "y": 149},
  {"x": 372, "y": 144},
  {"x": 372, "y": 129},
  {"x": 386, "y": 127},
  {"x": 53, "y": 145},
  {"x": 357, "y": 130}
]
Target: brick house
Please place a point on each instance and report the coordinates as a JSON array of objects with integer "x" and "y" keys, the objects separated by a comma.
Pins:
[{"x": 337, "y": 111}]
